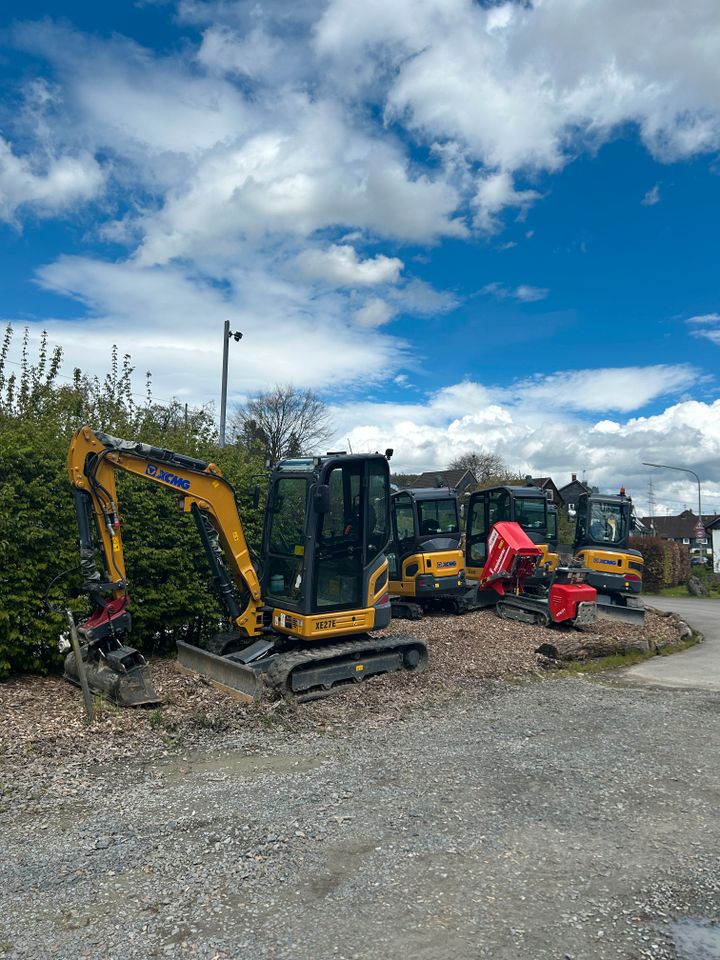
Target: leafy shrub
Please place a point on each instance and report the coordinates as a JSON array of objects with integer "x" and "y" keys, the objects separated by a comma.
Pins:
[
  {"x": 166, "y": 567},
  {"x": 667, "y": 563}
]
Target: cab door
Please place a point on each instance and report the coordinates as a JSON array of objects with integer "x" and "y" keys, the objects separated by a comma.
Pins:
[
  {"x": 477, "y": 530},
  {"x": 485, "y": 509}
]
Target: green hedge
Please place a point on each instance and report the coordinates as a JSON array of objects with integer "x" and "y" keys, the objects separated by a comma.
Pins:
[
  {"x": 167, "y": 572},
  {"x": 667, "y": 564}
]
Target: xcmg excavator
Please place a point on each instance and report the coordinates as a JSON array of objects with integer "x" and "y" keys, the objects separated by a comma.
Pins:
[
  {"x": 527, "y": 506},
  {"x": 509, "y": 555},
  {"x": 300, "y": 623},
  {"x": 602, "y": 532},
  {"x": 427, "y": 566}
]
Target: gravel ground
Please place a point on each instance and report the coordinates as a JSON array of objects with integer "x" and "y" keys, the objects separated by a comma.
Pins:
[
  {"x": 555, "y": 818},
  {"x": 443, "y": 816}
]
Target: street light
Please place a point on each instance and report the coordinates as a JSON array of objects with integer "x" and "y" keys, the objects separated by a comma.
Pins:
[
  {"x": 223, "y": 395},
  {"x": 699, "y": 529}
]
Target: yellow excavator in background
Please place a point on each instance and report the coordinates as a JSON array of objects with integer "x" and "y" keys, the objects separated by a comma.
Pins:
[
  {"x": 300, "y": 624},
  {"x": 603, "y": 526},
  {"x": 427, "y": 565}
]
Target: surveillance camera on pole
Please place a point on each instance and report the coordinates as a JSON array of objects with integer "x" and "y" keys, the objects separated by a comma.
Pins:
[{"x": 237, "y": 336}]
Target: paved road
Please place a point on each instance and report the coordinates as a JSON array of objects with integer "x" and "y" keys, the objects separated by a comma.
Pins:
[{"x": 698, "y": 667}]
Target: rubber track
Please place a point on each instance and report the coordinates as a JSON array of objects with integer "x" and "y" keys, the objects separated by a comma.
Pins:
[
  {"x": 405, "y": 610},
  {"x": 278, "y": 675}
]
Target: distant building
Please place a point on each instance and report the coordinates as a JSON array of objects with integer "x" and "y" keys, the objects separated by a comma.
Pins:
[
  {"x": 461, "y": 480},
  {"x": 547, "y": 484},
  {"x": 681, "y": 529},
  {"x": 713, "y": 529},
  {"x": 571, "y": 492}
]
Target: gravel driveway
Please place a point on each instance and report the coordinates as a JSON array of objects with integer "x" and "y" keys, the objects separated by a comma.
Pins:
[{"x": 556, "y": 818}]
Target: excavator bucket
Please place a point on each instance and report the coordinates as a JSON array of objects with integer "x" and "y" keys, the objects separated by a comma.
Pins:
[
  {"x": 607, "y": 610},
  {"x": 122, "y": 675}
]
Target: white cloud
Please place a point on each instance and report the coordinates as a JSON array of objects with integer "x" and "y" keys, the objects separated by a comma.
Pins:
[
  {"x": 141, "y": 106},
  {"x": 544, "y": 439},
  {"x": 495, "y": 192},
  {"x": 524, "y": 87},
  {"x": 524, "y": 292},
  {"x": 707, "y": 326},
  {"x": 312, "y": 171},
  {"x": 374, "y": 313},
  {"x": 652, "y": 196},
  {"x": 49, "y": 185},
  {"x": 712, "y": 335},
  {"x": 620, "y": 388},
  {"x": 172, "y": 324},
  {"x": 421, "y": 299},
  {"x": 705, "y": 318},
  {"x": 341, "y": 266}
]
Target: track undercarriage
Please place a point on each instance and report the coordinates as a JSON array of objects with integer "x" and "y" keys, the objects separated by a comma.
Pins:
[{"x": 308, "y": 672}]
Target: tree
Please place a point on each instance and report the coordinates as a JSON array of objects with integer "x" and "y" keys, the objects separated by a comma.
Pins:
[
  {"x": 483, "y": 463},
  {"x": 282, "y": 422},
  {"x": 487, "y": 467}
]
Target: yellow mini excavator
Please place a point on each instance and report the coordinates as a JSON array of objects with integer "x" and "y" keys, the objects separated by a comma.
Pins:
[
  {"x": 301, "y": 624},
  {"x": 427, "y": 566},
  {"x": 602, "y": 532}
]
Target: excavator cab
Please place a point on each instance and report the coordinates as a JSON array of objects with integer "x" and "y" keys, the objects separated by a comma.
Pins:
[
  {"x": 327, "y": 526},
  {"x": 425, "y": 560},
  {"x": 527, "y": 506},
  {"x": 602, "y": 531}
]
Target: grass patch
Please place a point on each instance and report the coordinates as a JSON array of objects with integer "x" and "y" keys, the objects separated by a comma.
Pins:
[
  {"x": 681, "y": 591},
  {"x": 682, "y": 645},
  {"x": 615, "y": 660}
]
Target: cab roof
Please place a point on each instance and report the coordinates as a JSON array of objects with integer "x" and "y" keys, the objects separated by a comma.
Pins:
[
  {"x": 514, "y": 491},
  {"x": 428, "y": 493}
]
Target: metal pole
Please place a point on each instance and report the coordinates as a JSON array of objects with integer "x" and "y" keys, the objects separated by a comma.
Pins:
[
  {"x": 223, "y": 393},
  {"x": 666, "y": 466},
  {"x": 87, "y": 696}
]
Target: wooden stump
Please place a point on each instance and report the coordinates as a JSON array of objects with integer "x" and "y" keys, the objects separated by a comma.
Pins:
[{"x": 581, "y": 646}]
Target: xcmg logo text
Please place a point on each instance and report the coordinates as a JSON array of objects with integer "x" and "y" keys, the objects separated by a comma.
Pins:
[{"x": 152, "y": 470}]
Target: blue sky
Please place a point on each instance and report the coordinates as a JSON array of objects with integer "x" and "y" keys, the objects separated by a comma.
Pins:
[{"x": 466, "y": 225}]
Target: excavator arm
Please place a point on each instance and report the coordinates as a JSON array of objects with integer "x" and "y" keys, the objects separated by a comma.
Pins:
[{"x": 93, "y": 459}]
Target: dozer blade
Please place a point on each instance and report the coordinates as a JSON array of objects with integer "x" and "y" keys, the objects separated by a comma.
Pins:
[
  {"x": 224, "y": 671},
  {"x": 615, "y": 611},
  {"x": 122, "y": 676}
]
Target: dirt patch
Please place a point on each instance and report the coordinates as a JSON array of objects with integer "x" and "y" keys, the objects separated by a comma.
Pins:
[{"x": 45, "y": 714}]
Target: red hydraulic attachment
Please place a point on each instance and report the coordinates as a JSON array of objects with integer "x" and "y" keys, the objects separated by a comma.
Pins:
[{"x": 512, "y": 559}]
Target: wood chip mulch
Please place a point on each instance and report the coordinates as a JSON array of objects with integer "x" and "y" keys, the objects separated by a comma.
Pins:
[{"x": 44, "y": 715}]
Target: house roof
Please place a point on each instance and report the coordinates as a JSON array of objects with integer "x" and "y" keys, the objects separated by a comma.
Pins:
[
  {"x": 571, "y": 491},
  {"x": 445, "y": 478},
  {"x": 680, "y": 527}
]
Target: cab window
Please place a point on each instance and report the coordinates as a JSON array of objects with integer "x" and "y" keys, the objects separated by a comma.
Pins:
[
  {"x": 437, "y": 517},
  {"x": 530, "y": 512}
]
